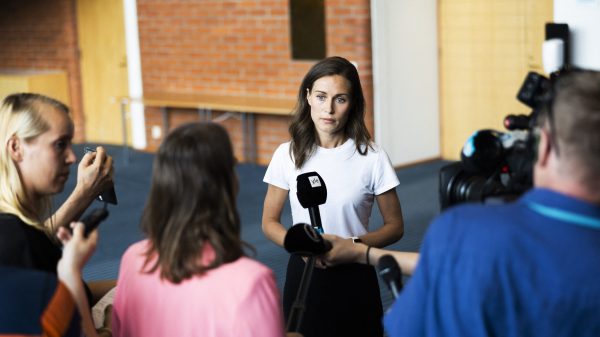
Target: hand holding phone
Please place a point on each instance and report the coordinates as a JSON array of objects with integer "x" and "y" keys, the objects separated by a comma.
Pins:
[{"x": 109, "y": 194}]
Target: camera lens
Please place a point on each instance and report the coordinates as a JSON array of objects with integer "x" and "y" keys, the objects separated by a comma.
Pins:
[{"x": 463, "y": 188}]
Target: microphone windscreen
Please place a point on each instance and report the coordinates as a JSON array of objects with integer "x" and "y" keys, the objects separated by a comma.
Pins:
[
  {"x": 389, "y": 270},
  {"x": 311, "y": 189},
  {"x": 303, "y": 239}
]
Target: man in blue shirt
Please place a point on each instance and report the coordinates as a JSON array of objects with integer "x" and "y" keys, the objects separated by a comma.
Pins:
[{"x": 528, "y": 268}]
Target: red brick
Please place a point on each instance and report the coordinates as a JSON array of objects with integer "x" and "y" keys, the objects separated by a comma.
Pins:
[
  {"x": 42, "y": 35},
  {"x": 219, "y": 47}
]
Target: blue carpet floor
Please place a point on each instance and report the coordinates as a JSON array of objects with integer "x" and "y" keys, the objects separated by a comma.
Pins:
[{"x": 418, "y": 193}]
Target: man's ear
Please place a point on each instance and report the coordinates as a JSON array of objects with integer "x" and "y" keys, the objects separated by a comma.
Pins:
[
  {"x": 544, "y": 147},
  {"x": 15, "y": 150}
]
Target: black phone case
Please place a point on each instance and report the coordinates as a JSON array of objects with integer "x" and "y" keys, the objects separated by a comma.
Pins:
[
  {"x": 93, "y": 219},
  {"x": 109, "y": 196}
]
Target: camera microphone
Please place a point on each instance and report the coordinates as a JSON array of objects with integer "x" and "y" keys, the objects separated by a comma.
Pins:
[
  {"x": 517, "y": 122},
  {"x": 390, "y": 272},
  {"x": 303, "y": 239},
  {"x": 312, "y": 192}
]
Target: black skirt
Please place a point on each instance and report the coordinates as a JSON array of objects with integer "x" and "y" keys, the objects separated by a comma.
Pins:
[{"x": 341, "y": 301}]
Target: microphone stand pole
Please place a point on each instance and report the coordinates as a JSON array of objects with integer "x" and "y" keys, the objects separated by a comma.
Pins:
[
  {"x": 315, "y": 219},
  {"x": 298, "y": 308},
  {"x": 295, "y": 318}
]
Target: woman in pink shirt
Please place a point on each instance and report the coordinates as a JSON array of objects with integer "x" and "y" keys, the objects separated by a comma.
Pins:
[{"x": 190, "y": 277}]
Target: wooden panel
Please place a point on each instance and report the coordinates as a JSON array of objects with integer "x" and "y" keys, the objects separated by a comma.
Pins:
[
  {"x": 486, "y": 49},
  {"x": 103, "y": 67},
  {"x": 11, "y": 83},
  {"x": 252, "y": 104},
  {"x": 50, "y": 83}
]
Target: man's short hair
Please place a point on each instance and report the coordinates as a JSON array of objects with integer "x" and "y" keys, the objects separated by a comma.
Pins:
[{"x": 576, "y": 114}]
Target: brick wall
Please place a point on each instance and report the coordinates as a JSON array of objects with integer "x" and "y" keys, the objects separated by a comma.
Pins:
[
  {"x": 235, "y": 47},
  {"x": 42, "y": 35},
  {"x": 240, "y": 48}
]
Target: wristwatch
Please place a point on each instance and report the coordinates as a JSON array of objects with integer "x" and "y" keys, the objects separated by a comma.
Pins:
[{"x": 356, "y": 239}]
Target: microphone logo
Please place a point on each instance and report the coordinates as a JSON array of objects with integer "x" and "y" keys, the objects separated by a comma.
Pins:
[{"x": 314, "y": 181}]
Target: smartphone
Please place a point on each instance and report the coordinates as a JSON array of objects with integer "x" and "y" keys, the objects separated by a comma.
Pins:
[
  {"x": 109, "y": 194},
  {"x": 93, "y": 219}
]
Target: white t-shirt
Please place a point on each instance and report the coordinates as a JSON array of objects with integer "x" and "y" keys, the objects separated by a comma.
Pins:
[{"x": 352, "y": 181}]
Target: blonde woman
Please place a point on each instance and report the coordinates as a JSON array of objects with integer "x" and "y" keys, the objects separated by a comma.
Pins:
[{"x": 34, "y": 165}]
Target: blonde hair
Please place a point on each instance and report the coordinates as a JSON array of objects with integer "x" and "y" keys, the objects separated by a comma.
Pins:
[{"x": 21, "y": 117}]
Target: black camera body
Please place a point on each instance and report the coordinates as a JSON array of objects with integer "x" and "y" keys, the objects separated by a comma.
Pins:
[{"x": 497, "y": 166}]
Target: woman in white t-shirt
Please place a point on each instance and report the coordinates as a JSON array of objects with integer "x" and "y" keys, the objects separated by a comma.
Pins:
[{"x": 329, "y": 136}]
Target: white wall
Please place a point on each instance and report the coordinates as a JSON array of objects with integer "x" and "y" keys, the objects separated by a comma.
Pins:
[
  {"x": 583, "y": 17},
  {"x": 134, "y": 68},
  {"x": 405, "y": 79}
]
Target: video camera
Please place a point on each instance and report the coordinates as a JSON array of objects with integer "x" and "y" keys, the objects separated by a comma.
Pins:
[{"x": 497, "y": 166}]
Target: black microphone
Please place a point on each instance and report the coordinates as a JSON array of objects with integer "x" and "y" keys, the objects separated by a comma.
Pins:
[
  {"x": 306, "y": 239},
  {"x": 303, "y": 239},
  {"x": 312, "y": 192},
  {"x": 390, "y": 272}
]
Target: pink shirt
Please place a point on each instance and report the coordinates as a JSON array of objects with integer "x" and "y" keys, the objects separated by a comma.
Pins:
[{"x": 237, "y": 299}]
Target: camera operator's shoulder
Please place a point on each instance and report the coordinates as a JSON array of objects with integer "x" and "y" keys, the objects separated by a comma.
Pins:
[{"x": 470, "y": 219}]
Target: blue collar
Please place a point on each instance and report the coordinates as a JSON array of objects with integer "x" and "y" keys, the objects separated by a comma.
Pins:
[
  {"x": 565, "y": 216},
  {"x": 563, "y": 208}
]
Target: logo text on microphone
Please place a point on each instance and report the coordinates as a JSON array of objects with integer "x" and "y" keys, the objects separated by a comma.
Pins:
[{"x": 314, "y": 181}]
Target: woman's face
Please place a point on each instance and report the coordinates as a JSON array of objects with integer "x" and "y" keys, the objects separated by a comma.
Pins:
[
  {"x": 45, "y": 160},
  {"x": 329, "y": 102}
]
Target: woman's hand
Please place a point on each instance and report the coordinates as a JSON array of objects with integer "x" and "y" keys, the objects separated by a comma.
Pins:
[
  {"x": 95, "y": 173},
  {"x": 76, "y": 248},
  {"x": 319, "y": 261},
  {"x": 342, "y": 251}
]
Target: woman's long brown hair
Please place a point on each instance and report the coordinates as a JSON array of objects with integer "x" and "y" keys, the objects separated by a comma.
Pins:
[{"x": 192, "y": 203}]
